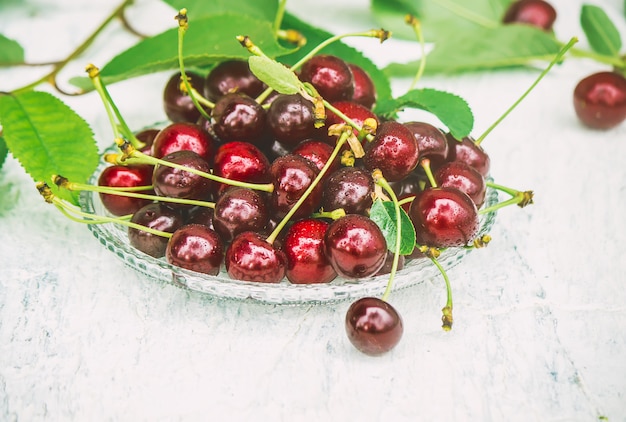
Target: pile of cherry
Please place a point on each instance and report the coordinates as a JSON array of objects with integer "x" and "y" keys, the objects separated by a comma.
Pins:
[{"x": 264, "y": 189}]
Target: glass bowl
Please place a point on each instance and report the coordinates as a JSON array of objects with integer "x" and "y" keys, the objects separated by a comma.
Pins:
[{"x": 114, "y": 238}]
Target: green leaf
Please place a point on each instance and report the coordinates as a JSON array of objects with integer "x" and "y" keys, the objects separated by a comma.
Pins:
[
  {"x": 48, "y": 138},
  {"x": 260, "y": 9},
  {"x": 208, "y": 40},
  {"x": 484, "y": 49},
  {"x": 603, "y": 36},
  {"x": 452, "y": 110},
  {"x": 4, "y": 151},
  {"x": 315, "y": 36},
  {"x": 439, "y": 19},
  {"x": 275, "y": 75},
  {"x": 11, "y": 52},
  {"x": 383, "y": 213}
]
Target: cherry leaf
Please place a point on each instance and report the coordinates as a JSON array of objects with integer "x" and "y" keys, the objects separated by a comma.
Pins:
[
  {"x": 452, "y": 110},
  {"x": 208, "y": 40},
  {"x": 439, "y": 18},
  {"x": 315, "y": 36},
  {"x": 260, "y": 9},
  {"x": 11, "y": 52},
  {"x": 603, "y": 36},
  {"x": 4, "y": 151},
  {"x": 484, "y": 49},
  {"x": 383, "y": 213},
  {"x": 47, "y": 137},
  {"x": 275, "y": 75}
]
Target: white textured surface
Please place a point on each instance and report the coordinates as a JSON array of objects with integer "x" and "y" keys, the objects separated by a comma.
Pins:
[{"x": 540, "y": 315}]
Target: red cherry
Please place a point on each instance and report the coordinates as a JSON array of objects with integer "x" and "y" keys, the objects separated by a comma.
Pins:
[
  {"x": 394, "y": 151},
  {"x": 251, "y": 258},
  {"x": 537, "y": 13},
  {"x": 364, "y": 89},
  {"x": 197, "y": 248},
  {"x": 373, "y": 326},
  {"x": 457, "y": 174},
  {"x": 330, "y": 75},
  {"x": 125, "y": 177},
  {"x": 600, "y": 100},
  {"x": 468, "y": 151},
  {"x": 183, "y": 136}
]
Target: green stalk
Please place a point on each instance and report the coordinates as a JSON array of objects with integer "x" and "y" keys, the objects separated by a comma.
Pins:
[
  {"x": 447, "y": 310},
  {"x": 417, "y": 28}
]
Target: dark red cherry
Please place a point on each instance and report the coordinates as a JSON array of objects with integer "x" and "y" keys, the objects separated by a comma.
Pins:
[
  {"x": 195, "y": 247},
  {"x": 468, "y": 151},
  {"x": 238, "y": 210},
  {"x": 330, "y": 75},
  {"x": 238, "y": 117},
  {"x": 292, "y": 175},
  {"x": 241, "y": 161},
  {"x": 183, "y": 136},
  {"x": 600, "y": 100},
  {"x": 303, "y": 245},
  {"x": 179, "y": 183},
  {"x": 364, "y": 88},
  {"x": 125, "y": 177},
  {"x": 156, "y": 216},
  {"x": 358, "y": 113},
  {"x": 394, "y": 151},
  {"x": 178, "y": 105},
  {"x": 373, "y": 326},
  {"x": 457, "y": 174},
  {"x": 355, "y": 246},
  {"x": 350, "y": 188},
  {"x": 250, "y": 257},
  {"x": 290, "y": 119},
  {"x": 537, "y": 13},
  {"x": 431, "y": 141},
  {"x": 444, "y": 217},
  {"x": 147, "y": 136},
  {"x": 318, "y": 152},
  {"x": 232, "y": 76},
  {"x": 200, "y": 215}
]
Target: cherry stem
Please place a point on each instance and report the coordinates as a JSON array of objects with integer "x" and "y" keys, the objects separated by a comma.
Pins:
[
  {"x": 51, "y": 77},
  {"x": 447, "y": 310},
  {"x": 183, "y": 25},
  {"x": 340, "y": 142},
  {"x": 128, "y": 192},
  {"x": 132, "y": 156},
  {"x": 425, "y": 163},
  {"x": 348, "y": 120},
  {"x": 417, "y": 28},
  {"x": 278, "y": 19},
  {"x": 333, "y": 215},
  {"x": 600, "y": 58},
  {"x": 87, "y": 218},
  {"x": 377, "y": 175},
  {"x": 111, "y": 109},
  {"x": 557, "y": 58},
  {"x": 406, "y": 200},
  {"x": 519, "y": 198}
]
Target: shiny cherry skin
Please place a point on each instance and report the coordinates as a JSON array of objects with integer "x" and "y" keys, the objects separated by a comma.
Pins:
[
  {"x": 600, "y": 100},
  {"x": 238, "y": 117},
  {"x": 238, "y": 210},
  {"x": 358, "y": 113},
  {"x": 232, "y": 76},
  {"x": 394, "y": 151},
  {"x": 249, "y": 257},
  {"x": 444, "y": 217},
  {"x": 290, "y": 119},
  {"x": 156, "y": 216},
  {"x": 183, "y": 136},
  {"x": 386, "y": 269},
  {"x": 318, "y": 152},
  {"x": 292, "y": 175},
  {"x": 350, "y": 188},
  {"x": 179, "y": 183},
  {"x": 468, "y": 151},
  {"x": 355, "y": 246},
  {"x": 241, "y": 161},
  {"x": 373, "y": 326},
  {"x": 364, "y": 88},
  {"x": 147, "y": 136},
  {"x": 457, "y": 174},
  {"x": 195, "y": 247},
  {"x": 330, "y": 75},
  {"x": 431, "y": 141},
  {"x": 537, "y": 13},
  {"x": 200, "y": 215},
  {"x": 125, "y": 177},
  {"x": 303, "y": 245},
  {"x": 178, "y": 106}
]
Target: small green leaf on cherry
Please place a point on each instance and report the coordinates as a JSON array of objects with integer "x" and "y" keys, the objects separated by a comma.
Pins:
[
  {"x": 275, "y": 75},
  {"x": 452, "y": 110},
  {"x": 384, "y": 215},
  {"x": 11, "y": 52},
  {"x": 603, "y": 36},
  {"x": 47, "y": 137}
]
